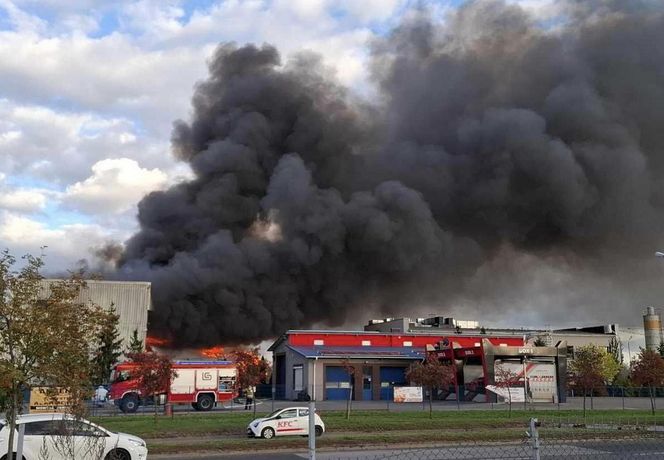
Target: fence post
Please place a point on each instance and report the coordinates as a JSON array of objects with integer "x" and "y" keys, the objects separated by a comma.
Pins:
[
  {"x": 312, "y": 430},
  {"x": 623, "y": 397},
  {"x": 534, "y": 435},
  {"x": 457, "y": 397}
]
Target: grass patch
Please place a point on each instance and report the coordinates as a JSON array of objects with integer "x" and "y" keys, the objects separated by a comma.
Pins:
[
  {"x": 355, "y": 440},
  {"x": 403, "y": 439},
  {"x": 234, "y": 423}
]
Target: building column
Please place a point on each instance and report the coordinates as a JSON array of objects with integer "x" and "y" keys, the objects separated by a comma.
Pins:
[
  {"x": 358, "y": 378},
  {"x": 375, "y": 382}
]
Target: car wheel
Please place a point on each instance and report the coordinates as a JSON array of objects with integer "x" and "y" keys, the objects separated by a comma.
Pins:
[
  {"x": 4, "y": 457},
  {"x": 205, "y": 402},
  {"x": 319, "y": 430},
  {"x": 118, "y": 454},
  {"x": 129, "y": 404},
  {"x": 267, "y": 433}
]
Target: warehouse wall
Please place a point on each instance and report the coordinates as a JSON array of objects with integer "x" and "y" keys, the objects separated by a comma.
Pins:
[{"x": 131, "y": 301}]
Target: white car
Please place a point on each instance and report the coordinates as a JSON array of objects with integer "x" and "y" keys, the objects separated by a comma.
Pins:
[
  {"x": 284, "y": 422},
  {"x": 60, "y": 436}
]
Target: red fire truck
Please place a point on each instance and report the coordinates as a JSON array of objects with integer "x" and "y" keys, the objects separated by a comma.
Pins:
[{"x": 199, "y": 383}]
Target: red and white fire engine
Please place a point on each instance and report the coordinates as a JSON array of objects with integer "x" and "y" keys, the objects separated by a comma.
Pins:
[{"x": 202, "y": 384}]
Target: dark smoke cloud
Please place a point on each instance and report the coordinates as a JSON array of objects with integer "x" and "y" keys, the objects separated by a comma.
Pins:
[{"x": 507, "y": 167}]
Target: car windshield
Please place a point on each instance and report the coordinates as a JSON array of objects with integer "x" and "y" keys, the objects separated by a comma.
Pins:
[{"x": 274, "y": 414}]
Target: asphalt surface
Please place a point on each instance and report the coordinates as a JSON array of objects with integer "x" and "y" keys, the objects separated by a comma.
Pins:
[{"x": 557, "y": 451}]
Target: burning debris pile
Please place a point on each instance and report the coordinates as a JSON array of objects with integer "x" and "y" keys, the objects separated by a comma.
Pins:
[{"x": 497, "y": 144}]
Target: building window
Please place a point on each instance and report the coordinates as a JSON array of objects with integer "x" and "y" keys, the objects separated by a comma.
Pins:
[
  {"x": 407, "y": 343},
  {"x": 319, "y": 342},
  {"x": 366, "y": 343},
  {"x": 297, "y": 377}
]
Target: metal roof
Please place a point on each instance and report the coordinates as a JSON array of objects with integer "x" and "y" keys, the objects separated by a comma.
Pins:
[{"x": 360, "y": 352}]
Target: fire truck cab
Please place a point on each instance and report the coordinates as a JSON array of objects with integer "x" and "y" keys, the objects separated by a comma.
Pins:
[{"x": 202, "y": 384}]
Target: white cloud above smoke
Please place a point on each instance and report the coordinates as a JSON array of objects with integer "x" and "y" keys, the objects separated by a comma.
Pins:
[{"x": 116, "y": 185}]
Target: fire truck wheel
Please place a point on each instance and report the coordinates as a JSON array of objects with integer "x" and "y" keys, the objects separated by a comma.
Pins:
[
  {"x": 194, "y": 405},
  {"x": 267, "y": 433},
  {"x": 129, "y": 404},
  {"x": 205, "y": 402}
]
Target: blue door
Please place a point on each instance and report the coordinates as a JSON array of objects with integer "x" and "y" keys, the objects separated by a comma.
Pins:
[
  {"x": 367, "y": 393},
  {"x": 389, "y": 378},
  {"x": 337, "y": 383}
]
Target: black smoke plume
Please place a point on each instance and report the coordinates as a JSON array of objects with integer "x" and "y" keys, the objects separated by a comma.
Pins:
[{"x": 504, "y": 167}]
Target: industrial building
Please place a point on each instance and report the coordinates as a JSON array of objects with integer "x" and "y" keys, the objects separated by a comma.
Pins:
[
  {"x": 601, "y": 336},
  {"x": 316, "y": 362},
  {"x": 131, "y": 300}
]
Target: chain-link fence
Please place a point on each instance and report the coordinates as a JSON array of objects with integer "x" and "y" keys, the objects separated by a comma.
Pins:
[
  {"x": 268, "y": 398},
  {"x": 555, "y": 438}
]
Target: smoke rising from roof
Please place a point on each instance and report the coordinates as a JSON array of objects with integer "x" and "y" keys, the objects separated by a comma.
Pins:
[{"x": 505, "y": 167}]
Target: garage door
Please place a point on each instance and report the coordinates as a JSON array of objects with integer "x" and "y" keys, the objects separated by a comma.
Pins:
[
  {"x": 337, "y": 383},
  {"x": 389, "y": 378}
]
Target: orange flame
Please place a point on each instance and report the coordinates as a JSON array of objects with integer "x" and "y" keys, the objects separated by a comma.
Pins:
[
  {"x": 155, "y": 342},
  {"x": 213, "y": 352}
]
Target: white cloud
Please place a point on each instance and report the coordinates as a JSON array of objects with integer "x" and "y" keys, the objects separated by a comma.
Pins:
[
  {"x": 64, "y": 245},
  {"x": 371, "y": 10},
  {"x": 116, "y": 185},
  {"x": 23, "y": 200},
  {"x": 60, "y": 147}
]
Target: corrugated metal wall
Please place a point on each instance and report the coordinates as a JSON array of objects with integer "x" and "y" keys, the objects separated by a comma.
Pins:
[{"x": 131, "y": 300}]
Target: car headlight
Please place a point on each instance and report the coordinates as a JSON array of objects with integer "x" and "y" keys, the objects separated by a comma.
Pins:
[{"x": 137, "y": 442}]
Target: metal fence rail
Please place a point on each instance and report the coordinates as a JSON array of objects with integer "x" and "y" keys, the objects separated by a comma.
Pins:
[{"x": 549, "y": 439}]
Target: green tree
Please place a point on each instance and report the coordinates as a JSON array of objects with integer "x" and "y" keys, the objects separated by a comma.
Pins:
[
  {"x": 615, "y": 350},
  {"x": 539, "y": 342},
  {"x": 431, "y": 374},
  {"x": 109, "y": 347},
  {"x": 660, "y": 349},
  {"x": 135, "y": 344},
  {"x": 45, "y": 336},
  {"x": 648, "y": 370},
  {"x": 591, "y": 368}
]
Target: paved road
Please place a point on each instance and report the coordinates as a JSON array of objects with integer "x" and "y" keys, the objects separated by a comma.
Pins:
[{"x": 561, "y": 451}]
